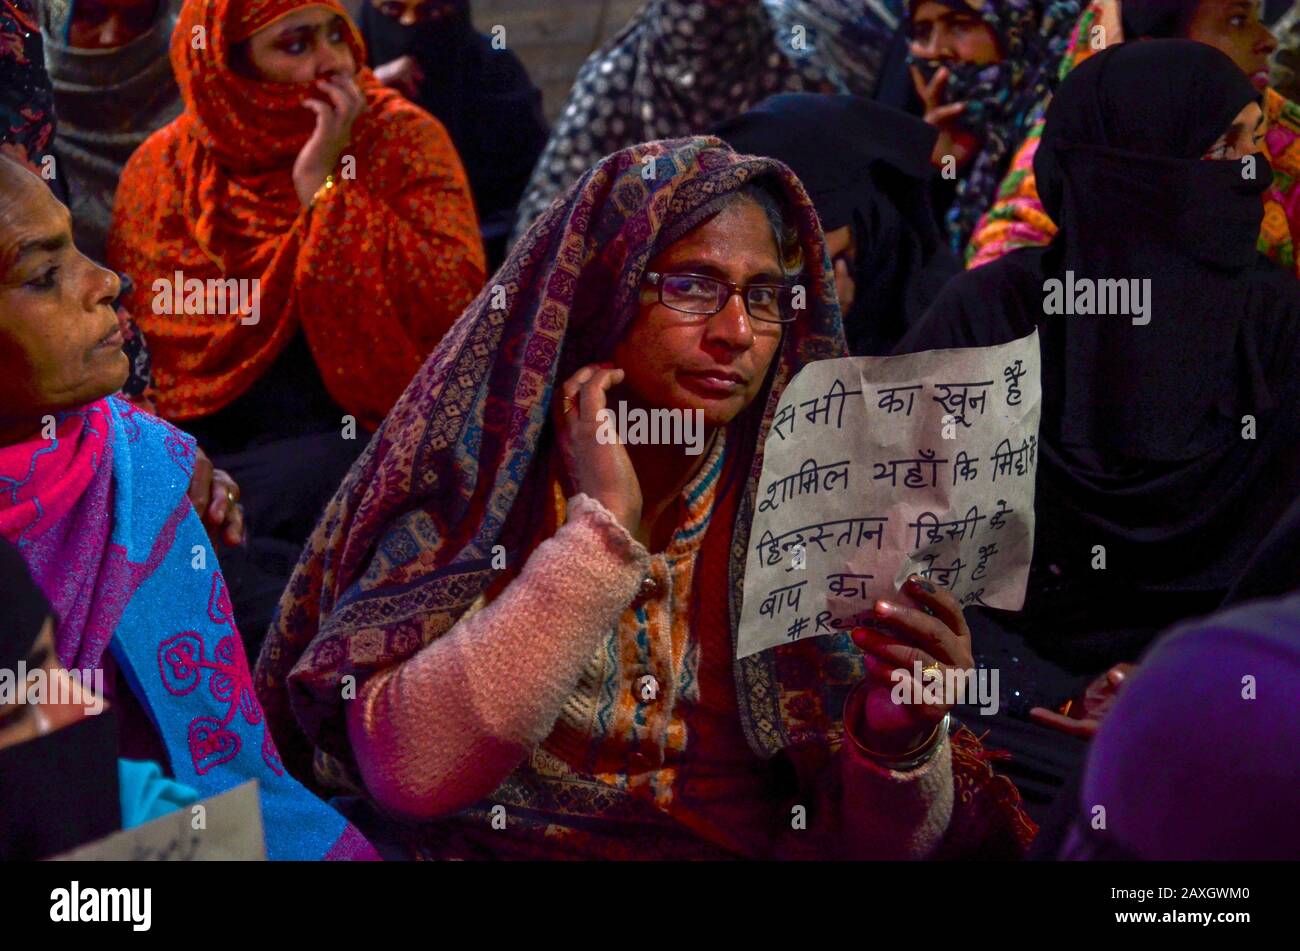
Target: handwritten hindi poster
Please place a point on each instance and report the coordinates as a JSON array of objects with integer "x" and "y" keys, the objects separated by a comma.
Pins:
[{"x": 876, "y": 468}]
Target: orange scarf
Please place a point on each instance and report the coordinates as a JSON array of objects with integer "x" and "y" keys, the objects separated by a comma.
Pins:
[{"x": 374, "y": 273}]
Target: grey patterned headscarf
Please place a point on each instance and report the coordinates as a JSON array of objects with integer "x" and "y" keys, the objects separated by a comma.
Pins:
[
  {"x": 682, "y": 67},
  {"x": 108, "y": 102}
]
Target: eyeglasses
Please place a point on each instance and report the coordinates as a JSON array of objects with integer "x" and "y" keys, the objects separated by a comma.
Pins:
[{"x": 705, "y": 296}]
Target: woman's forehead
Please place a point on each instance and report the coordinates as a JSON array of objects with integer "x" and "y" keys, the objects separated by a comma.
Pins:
[
  {"x": 738, "y": 235},
  {"x": 28, "y": 211},
  {"x": 309, "y": 16}
]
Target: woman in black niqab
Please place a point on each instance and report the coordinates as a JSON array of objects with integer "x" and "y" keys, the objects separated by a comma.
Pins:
[
  {"x": 1168, "y": 438},
  {"x": 866, "y": 167},
  {"x": 481, "y": 94}
]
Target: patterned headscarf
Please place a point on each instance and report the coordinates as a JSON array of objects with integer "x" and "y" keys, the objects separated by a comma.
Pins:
[
  {"x": 1002, "y": 99},
  {"x": 382, "y": 263},
  {"x": 108, "y": 102},
  {"x": 846, "y": 39},
  {"x": 461, "y": 463},
  {"x": 682, "y": 67}
]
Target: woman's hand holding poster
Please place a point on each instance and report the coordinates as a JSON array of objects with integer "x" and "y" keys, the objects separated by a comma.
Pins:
[{"x": 880, "y": 467}]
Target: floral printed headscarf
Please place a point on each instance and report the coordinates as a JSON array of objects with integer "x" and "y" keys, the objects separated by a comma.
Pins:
[{"x": 1002, "y": 99}]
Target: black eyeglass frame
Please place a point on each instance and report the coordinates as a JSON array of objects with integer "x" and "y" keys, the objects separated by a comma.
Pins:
[{"x": 656, "y": 280}]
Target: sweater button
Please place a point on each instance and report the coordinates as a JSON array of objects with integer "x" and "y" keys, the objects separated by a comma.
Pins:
[
  {"x": 649, "y": 590},
  {"x": 646, "y": 688}
]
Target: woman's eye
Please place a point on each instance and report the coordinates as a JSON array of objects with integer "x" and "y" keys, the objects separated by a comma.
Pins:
[
  {"x": 693, "y": 288},
  {"x": 46, "y": 279},
  {"x": 761, "y": 296},
  {"x": 294, "y": 47}
]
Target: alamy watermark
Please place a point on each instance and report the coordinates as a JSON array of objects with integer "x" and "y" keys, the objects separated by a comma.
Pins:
[
  {"x": 1086, "y": 297},
  {"x": 212, "y": 297},
  {"x": 83, "y": 688},
  {"x": 949, "y": 686},
  {"x": 654, "y": 427},
  {"x": 76, "y": 904}
]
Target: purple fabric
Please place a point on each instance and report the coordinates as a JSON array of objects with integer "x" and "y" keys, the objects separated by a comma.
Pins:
[{"x": 1198, "y": 759}]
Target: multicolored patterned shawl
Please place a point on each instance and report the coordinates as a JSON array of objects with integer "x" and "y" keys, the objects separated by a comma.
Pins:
[
  {"x": 461, "y": 463},
  {"x": 100, "y": 513},
  {"x": 1002, "y": 99}
]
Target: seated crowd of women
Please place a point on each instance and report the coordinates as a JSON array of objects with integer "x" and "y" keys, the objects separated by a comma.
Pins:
[{"x": 299, "y": 452}]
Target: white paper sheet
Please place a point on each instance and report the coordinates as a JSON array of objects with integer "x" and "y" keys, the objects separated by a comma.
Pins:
[
  {"x": 880, "y": 467},
  {"x": 231, "y": 831}
]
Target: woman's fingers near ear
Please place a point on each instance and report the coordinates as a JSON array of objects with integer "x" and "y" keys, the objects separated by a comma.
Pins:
[{"x": 593, "y": 396}]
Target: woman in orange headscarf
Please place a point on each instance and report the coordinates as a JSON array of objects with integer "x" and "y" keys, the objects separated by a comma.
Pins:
[{"x": 300, "y": 238}]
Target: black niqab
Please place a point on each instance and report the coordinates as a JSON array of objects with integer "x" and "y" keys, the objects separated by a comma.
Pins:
[
  {"x": 1168, "y": 443},
  {"x": 866, "y": 166},
  {"x": 481, "y": 95},
  {"x": 1151, "y": 19}
]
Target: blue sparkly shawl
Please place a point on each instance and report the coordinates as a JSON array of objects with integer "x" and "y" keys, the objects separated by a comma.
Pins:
[{"x": 101, "y": 514}]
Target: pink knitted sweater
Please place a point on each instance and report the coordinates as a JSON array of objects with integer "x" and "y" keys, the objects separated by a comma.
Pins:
[{"x": 442, "y": 730}]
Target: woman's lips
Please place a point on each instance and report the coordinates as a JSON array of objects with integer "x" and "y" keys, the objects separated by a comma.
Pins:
[
  {"x": 712, "y": 384},
  {"x": 113, "y": 340}
]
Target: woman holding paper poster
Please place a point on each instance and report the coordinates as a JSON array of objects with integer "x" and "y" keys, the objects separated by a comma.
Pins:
[{"x": 518, "y": 638}]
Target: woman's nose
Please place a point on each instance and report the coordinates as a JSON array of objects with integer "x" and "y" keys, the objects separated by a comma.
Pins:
[
  {"x": 733, "y": 324},
  {"x": 331, "y": 59},
  {"x": 105, "y": 287},
  {"x": 1268, "y": 42}
]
